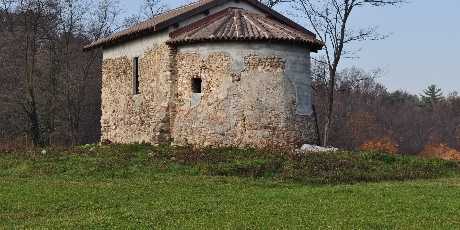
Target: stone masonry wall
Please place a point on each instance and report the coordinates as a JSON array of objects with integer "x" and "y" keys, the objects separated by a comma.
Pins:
[
  {"x": 212, "y": 122},
  {"x": 268, "y": 104},
  {"x": 254, "y": 108},
  {"x": 144, "y": 117}
]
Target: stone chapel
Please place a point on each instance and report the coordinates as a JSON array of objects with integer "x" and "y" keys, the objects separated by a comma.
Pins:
[{"x": 212, "y": 73}]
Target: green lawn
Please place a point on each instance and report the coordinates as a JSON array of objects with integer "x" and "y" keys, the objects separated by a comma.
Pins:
[
  {"x": 41, "y": 192},
  {"x": 191, "y": 202}
]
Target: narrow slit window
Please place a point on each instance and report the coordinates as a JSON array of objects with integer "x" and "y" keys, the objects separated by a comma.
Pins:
[
  {"x": 196, "y": 85},
  {"x": 135, "y": 75}
]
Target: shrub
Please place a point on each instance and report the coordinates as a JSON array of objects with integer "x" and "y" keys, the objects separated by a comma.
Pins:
[{"x": 386, "y": 145}]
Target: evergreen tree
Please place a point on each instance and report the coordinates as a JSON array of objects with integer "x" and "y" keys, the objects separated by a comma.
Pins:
[{"x": 431, "y": 95}]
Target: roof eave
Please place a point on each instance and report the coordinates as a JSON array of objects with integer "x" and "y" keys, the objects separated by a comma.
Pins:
[{"x": 314, "y": 46}]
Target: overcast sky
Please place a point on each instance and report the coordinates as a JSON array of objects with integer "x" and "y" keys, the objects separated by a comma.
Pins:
[{"x": 423, "y": 48}]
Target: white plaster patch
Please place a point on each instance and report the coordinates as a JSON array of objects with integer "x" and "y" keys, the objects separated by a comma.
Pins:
[
  {"x": 196, "y": 100},
  {"x": 136, "y": 47}
]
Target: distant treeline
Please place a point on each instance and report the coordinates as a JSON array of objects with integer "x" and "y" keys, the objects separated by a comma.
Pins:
[
  {"x": 50, "y": 89},
  {"x": 367, "y": 116}
]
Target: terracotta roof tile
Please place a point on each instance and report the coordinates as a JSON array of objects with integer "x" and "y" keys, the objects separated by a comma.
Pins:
[
  {"x": 176, "y": 15},
  {"x": 240, "y": 24}
]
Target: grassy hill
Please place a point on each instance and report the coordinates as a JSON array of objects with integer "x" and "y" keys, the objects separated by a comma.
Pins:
[{"x": 143, "y": 186}]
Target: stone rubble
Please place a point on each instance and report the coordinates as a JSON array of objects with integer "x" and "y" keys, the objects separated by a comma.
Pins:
[{"x": 315, "y": 148}]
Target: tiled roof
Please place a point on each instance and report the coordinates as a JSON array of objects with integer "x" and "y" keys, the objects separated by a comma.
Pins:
[
  {"x": 154, "y": 24},
  {"x": 240, "y": 24},
  {"x": 176, "y": 15}
]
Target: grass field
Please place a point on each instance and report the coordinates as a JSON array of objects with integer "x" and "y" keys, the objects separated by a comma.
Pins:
[{"x": 144, "y": 187}]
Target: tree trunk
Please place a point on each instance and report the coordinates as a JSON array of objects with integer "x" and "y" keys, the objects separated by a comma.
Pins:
[
  {"x": 330, "y": 102},
  {"x": 34, "y": 130}
]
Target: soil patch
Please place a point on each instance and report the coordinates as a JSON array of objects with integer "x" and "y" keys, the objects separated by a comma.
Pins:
[{"x": 440, "y": 151}]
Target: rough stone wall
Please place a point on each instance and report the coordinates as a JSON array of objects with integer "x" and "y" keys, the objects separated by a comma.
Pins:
[
  {"x": 297, "y": 62},
  {"x": 144, "y": 117},
  {"x": 116, "y": 99},
  {"x": 211, "y": 123},
  {"x": 158, "y": 66},
  {"x": 254, "y": 108},
  {"x": 268, "y": 104}
]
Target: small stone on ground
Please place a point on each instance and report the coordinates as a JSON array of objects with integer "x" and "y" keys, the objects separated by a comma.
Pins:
[{"x": 315, "y": 148}]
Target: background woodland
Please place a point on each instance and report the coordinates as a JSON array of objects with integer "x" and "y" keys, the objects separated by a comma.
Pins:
[{"x": 50, "y": 89}]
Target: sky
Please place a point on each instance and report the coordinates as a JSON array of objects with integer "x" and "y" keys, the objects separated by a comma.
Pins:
[{"x": 423, "y": 48}]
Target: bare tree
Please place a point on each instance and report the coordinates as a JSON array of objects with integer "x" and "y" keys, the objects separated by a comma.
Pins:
[
  {"x": 28, "y": 26},
  {"x": 272, "y": 3},
  {"x": 80, "y": 75},
  {"x": 148, "y": 9},
  {"x": 329, "y": 19},
  {"x": 51, "y": 88}
]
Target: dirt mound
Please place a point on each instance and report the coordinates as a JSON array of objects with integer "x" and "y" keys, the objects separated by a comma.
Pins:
[{"x": 440, "y": 151}]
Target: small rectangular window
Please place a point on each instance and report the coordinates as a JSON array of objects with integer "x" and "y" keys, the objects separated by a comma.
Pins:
[
  {"x": 196, "y": 85},
  {"x": 135, "y": 75}
]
